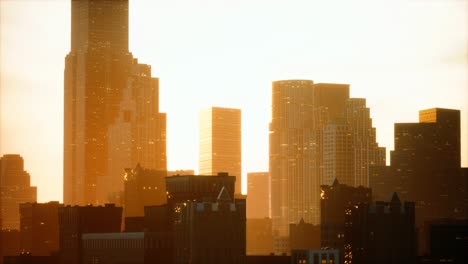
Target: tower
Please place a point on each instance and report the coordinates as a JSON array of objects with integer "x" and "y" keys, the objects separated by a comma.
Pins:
[
  {"x": 220, "y": 143},
  {"x": 111, "y": 111}
]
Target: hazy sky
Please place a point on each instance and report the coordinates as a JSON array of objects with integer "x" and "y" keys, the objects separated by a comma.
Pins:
[{"x": 402, "y": 55}]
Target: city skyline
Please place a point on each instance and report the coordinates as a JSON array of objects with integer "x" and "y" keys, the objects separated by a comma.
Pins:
[{"x": 418, "y": 82}]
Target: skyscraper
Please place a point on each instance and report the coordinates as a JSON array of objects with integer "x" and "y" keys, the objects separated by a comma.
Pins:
[
  {"x": 293, "y": 149},
  {"x": 111, "y": 110},
  {"x": 317, "y": 134},
  {"x": 425, "y": 167},
  {"x": 220, "y": 143},
  {"x": 15, "y": 188}
]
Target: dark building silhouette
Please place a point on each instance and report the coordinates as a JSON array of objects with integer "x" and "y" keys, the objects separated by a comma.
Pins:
[
  {"x": 74, "y": 221},
  {"x": 10, "y": 243},
  {"x": 143, "y": 187},
  {"x": 425, "y": 168},
  {"x": 200, "y": 188},
  {"x": 15, "y": 188},
  {"x": 304, "y": 236},
  {"x": 317, "y": 134},
  {"x": 446, "y": 241},
  {"x": 383, "y": 232},
  {"x": 258, "y": 195},
  {"x": 111, "y": 108},
  {"x": 315, "y": 256},
  {"x": 180, "y": 172},
  {"x": 220, "y": 143},
  {"x": 210, "y": 232},
  {"x": 259, "y": 236},
  {"x": 29, "y": 259},
  {"x": 270, "y": 259},
  {"x": 335, "y": 201},
  {"x": 113, "y": 248},
  {"x": 39, "y": 228}
]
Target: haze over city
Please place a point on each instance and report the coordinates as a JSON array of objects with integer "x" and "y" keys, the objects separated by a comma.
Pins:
[{"x": 402, "y": 56}]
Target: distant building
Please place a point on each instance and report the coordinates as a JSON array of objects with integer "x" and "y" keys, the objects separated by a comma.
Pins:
[
  {"x": 304, "y": 236},
  {"x": 40, "y": 228},
  {"x": 383, "y": 232},
  {"x": 15, "y": 188},
  {"x": 259, "y": 236},
  {"x": 315, "y": 256},
  {"x": 210, "y": 232},
  {"x": 425, "y": 168},
  {"x": 143, "y": 187},
  {"x": 258, "y": 195},
  {"x": 78, "y": 220},
  {"x": 111, "y": 106},
  {"x": 335, "y": 200},
  {"x": 220, "y": 143},
  {"x": 317, "y": 134}
]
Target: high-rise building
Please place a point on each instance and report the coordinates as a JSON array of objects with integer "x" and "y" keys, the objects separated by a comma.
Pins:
[
  {"x": 143, "y": 187},
  {"x": 293, "y": 165},
  {"x": 40, "y": 228},
  {"x": 317, "y": 134},
  {"x": 258, "y": 195},
  {"x": 383, "y": 232},
  {"x": 425, "y": 168},
  {"x": 304, "y": 236},
  {"x": 259, "y": 236},
  {"x": 220, "y": 143},
  {"x": 15, "y": 188},
  {"x": 111, "y": 109},
  {"x": 78, "y": 220}
]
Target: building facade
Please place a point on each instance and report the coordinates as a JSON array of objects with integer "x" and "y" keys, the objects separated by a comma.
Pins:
[
  {"x": 111, "y": 109},
  {"x": 15, "y": 188},
  {"x": 220, "y": 143},
  {"x": 39, "y": 228},
  {"x": 78, "y": 220},
  {"x": 258, "y": 195},
  {"x": 143, "y": 187},
  {"x": 335, "y": 200},
  {"x": 384, "y": 232},
  {"x": 315, "y": 256}
]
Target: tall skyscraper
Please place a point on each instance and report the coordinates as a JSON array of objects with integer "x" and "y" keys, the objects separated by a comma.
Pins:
[
  {"x": 293, "y": 164},
  {"x": 111, "y": 109},
  {"x": 15, "y": 189},
  {"x": 220, "y": 143},
  {"x": 258, "y": 195},
  {"x": 317, "y": 134}
]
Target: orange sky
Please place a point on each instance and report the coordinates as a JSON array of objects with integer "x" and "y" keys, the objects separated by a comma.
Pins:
[{"x": 402, "y": 55}]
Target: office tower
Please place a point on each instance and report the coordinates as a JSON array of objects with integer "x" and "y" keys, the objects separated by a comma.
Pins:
[
  {"x": 40, "y": 228},
  {"x": 114, "y": 248},
  {"x": 317, "y": 134},
  {"x": 258, "y": 195},
  {"x": 383, "y": 232},
  {"x": 10, "y": 243},
  {"x": 425, "y": 166},
  {"x": 143, "y": 187},
  {"x": 111, "y": 109},
  {"x": 315, "y": 256},
  {"x": 335, "y": 199},
  {"x": 77, "y": 220},
  {"x": 220, "y": 143},
  {"x": 293, "y": 164},
  {"x": 15, "y": 188},
  {"x": 210, "y": 232},
  {"x": 304, "y": 236}
]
